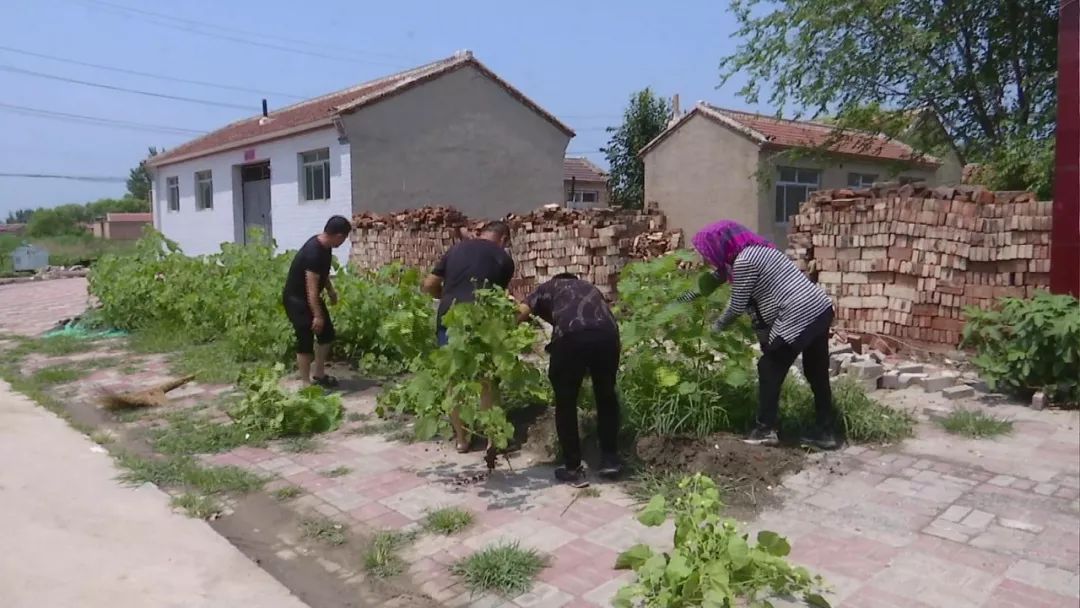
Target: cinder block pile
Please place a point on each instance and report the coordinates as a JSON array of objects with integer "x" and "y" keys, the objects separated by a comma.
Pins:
[
  {"x": 593, "y": 244},
  {"x": 904, "y": 261}
]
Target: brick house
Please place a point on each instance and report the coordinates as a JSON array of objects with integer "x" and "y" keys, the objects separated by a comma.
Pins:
[
  {"x": 121, "y": 226},
  {"x": 585, "y": 184},
  {"x": 449, "y": 132},
  {"x": 712, "y": 164}
]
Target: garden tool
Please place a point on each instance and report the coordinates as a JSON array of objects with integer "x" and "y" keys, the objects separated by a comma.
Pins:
[{"x": 151, "y": 397}]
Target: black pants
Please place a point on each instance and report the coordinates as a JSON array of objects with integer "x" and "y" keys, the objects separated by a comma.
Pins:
[
  {"x": 597, "y": 353},
  {"x": 299, "y": 313},
  {"x": 775, "y": 362}
]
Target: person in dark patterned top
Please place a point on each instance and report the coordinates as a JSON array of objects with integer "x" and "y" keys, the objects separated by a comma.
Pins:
[{"x": 585, "y": 339}]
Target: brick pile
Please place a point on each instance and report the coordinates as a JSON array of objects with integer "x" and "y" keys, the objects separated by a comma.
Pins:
[
  {"x": 594, "y": 244},
  {"x": 905, "y": 261}
]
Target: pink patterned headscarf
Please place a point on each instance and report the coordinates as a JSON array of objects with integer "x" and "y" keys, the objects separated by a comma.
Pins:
[{"x": 721, "y": 242}]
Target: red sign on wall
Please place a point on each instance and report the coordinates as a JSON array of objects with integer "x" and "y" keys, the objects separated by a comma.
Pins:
[{"x": 249, "y": 154}]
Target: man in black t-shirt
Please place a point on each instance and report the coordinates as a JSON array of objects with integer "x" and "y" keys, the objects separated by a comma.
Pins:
[
  {"x": 585, "y": 338},
  {"x": 309, "y": 275},
  {"x": 470, "y": 265}
]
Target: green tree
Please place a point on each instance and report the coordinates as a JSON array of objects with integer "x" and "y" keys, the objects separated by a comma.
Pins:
[
  {"x": 646, "y": 117},
  {"x": 19, "y": 216},
  {"x": 984, "y": 70},
  {"x": 139, "y": 182}
]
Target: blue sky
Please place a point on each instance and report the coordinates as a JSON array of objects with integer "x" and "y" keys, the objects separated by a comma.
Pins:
[{"x": 579, "y": 60}]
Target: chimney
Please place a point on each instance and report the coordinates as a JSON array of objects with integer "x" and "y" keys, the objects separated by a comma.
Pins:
[
  {"x": 265, "y": 113},
  {"x": 676, "y": 112}
]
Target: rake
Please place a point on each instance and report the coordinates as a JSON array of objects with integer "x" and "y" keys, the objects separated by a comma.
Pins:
[{"x": 151, "y": 397}]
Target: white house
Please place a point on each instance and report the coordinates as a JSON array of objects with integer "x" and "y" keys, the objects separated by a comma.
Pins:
[{"x": 450, "y": 132}]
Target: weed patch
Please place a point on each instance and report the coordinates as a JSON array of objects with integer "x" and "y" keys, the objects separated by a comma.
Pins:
[
  {"x": 505, "y": 569},
  {"x": 448, "y": 521},
  {"x": 381, "y": 559},
  {"x": 287, "y": 493},
  {"x": 336, "y": 472},
  {"x": 300, "y": 445},
  {"x": 189, "y": 434},
  {"x": 57, "y": 374},
  {"x": 323, "y": 530},
  {"x": 185, "y": 472},
  {"x": 862, "y": 420},
  {"x": 975, "y": 424},
  {"x": 199, "y": 507}
]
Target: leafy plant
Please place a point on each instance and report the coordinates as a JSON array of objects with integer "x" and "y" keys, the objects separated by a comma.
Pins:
[
  {"x": 196, "y": 506},
  {"x": 975, "y": 424},
  {"x": 861, "y": 419},
  {"x": 1029, "y": 345},
  {"x": 712, "y": 565},
  {"x": 287, "y": 493},
  {"x": 679, "y": 376},
  {"x": 268, "y": 410},
  {"x": 485, "y": 346},
  {"x": 324, "y": 530},
  {"x": 506, "y": 569}
]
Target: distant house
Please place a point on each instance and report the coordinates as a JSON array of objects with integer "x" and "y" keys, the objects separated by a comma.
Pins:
[
  {"x": 712, "y": 164},
  {"x": 584, "y": 184},
  {"x": 121, "y": 226},
  {"x": 449, "y": 132}
]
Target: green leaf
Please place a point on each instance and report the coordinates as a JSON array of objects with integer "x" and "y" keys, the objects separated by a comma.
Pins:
[
  {"x": 738, "y": 552},
  {"x": 678, "y": 569},
  {"x": 426, "y": 428},
  {"x": 667, "y": 377},
  {"x": 655, "y": 512},
  {"x": 773, "y": 543},
  {"x": 633, "y": 558}
]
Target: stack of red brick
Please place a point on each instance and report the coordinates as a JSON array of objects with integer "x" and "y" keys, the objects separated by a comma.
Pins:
[
  {"x": 593, "y": 244},
  {"x": 906, "y": 261}
]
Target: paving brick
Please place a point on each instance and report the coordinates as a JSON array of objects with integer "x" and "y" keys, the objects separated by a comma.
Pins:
[
  {"x": 958, "y": 392},
  {"x": 936, "y": 582},
  {"x": 934, "y": 384},
  {"x": 978, "y": 519},
  {"x": 1002, "y": 480},
  {"x": 955, "y": 513},
  {"x": 543, "y": 595},
  {"x": 1046, "y": 489},
  {"x": 1054, "y": 580},
  {"x": 1020, "y": 525},
  {"x": 1014, "y": 594}
]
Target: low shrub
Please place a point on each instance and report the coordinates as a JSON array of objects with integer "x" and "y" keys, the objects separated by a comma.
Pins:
[
  {"x": 1024, "y": 346},
  {"x": 712, "y": 563},
  {"x": 505, "y": 569},
  {"x": 269, "y": 411}
]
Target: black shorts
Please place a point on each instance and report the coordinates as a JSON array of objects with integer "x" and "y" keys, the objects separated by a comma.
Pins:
[{"x": 300, "y": 316}]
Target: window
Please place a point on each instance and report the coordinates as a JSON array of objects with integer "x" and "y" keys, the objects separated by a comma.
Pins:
[
  {"x": 315, "y": 173},
  {"x": 582, "y": 199},
  {"x": 792, "y": 189},
  {"x": 172, "y": 187},
  {"x": 204, "y": 190},
  {"x": 861, "y": 180}
]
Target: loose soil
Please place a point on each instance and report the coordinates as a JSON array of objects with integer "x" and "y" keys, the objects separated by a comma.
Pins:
[{"x": 747, "y": 472}]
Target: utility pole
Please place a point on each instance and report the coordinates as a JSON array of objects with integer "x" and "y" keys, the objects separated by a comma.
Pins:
[{"x": 1065, "y": 236}]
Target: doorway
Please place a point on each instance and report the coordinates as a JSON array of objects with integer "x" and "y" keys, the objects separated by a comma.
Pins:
[{"x": 256, "y": 199}]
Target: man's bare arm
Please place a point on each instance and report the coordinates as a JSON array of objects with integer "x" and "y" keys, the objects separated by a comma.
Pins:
[
  {"x": 311, "y": 284},
  {"x": 330, "y": 291},
  {"x": 432, "y": 285}
]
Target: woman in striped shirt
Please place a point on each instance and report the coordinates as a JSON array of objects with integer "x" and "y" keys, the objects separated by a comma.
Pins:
[{"x": 790, "y": 314}]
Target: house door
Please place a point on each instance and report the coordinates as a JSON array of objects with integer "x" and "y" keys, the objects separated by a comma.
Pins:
[{"x": 256, "y": 195}]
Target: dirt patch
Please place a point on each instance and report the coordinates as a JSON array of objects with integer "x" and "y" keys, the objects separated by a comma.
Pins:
[{"x": 748, "y": 473}]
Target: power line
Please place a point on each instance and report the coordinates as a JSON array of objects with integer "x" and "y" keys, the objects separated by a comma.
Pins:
[
  {"x": 148, "y": 74},
  {"x": 207, "y": 102},
  {"x": 79, "y": 178},
  {"x": 193, "y": 26},
  {"x": 97, "y": 121}
]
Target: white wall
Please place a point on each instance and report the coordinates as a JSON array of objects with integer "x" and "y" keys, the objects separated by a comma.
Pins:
[{"x": 293, "y": 221}]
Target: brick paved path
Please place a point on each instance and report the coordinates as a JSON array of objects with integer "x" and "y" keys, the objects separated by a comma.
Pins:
[
  {"x": 937, "y": 522},
  {"x": 33, "y": 307}
]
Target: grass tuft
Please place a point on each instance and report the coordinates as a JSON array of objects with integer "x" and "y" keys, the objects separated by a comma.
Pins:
[
  {"x": 506, "y": 569},
  {"x": 382, "y": 559},
  {"x": 57, "y": 374},
  {"x": 301, "y": 444},
  {"x": 975, "y": 424},
  {"x": 287, "y": 493},
  {"x": 862, "y": 419},
  {"x": 324, "y": 530},
  {"x": 646, "y": 484},
  {"x": 185, "y": 472},
  {"x": 337, "y": 472},
  {"x": 199, "y": 507},
  {"x": 60, "y": 345},
  {"x": 356, "y": 417},
  {"x": 102, "y": 437},
  {"x": 448, "y": 521},
  {"x": 188, "y": 434}
]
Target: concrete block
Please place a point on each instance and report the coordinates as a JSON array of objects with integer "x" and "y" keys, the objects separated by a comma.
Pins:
[
  {"x": 958, "y": 392},
  {"x": 908, "y": 379},
  {"x": 867, "y": 370},
  {"x": 891, "y": 380},
  {"x": 834, "y": 365},
  {"x": 1038, "y": 401},
  {"x": 911, "y": 368},
  {"x": 933, "y": 384}
]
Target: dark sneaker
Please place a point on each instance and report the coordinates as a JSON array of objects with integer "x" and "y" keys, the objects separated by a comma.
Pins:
[
  {"x": 821, "y": 440},
  {"x": 326, "y": 381},
  {"x": 574, "y": 477},
  {"x": 763, "y": 436},
  {"x": 610, "y": 466}
]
